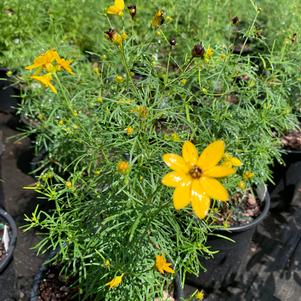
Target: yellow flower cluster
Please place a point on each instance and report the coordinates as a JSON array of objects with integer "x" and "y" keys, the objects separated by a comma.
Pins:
[{"x": 50, "y": 62}]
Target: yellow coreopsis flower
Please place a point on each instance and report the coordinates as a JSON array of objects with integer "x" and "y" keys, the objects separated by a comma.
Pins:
[
  {"x": 46, "y": 81},
  {"x": 199, "y": 295},
  {"x": 114, "y": 37},
  {"x": 65, "y": 64},
  {"x": 158, "y": 19},
  {"x": 115, "y": 281},
  {"x": 117, "y": 8},
  {"x": 123, "y": 166},
  {"x": 230, "y": 161},
  {"x": 194, "y": 177},
  {"x": 162, "y": 265},
  {"x": 248, "y": 175},
  {"x": 44, "y": 60}
]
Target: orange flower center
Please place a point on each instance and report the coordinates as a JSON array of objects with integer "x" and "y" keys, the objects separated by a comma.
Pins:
[{"x": 195, "y": 172}]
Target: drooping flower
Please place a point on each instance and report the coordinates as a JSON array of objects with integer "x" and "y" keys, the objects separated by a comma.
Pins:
[
  {"x": 46, "y": 81},
  {"x": 65, "y": 64},
  {"x": 230, "y": 161},
  {"x": 115, "y": 281},
  {"x": 114, "y": 37},
  {"x": 162, "y": 265},
  {"x": 194, "y": 177},
  {"x": 158, "y": 19},
  {"x": 117, "y": 8}
]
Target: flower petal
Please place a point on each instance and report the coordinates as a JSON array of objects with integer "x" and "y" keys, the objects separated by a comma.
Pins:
[
  {"x": 200, "y": 201},
  {"x": 219, "y": 172},
  {"x": 214, "y": 189},
  {"x": 174, "y": 179},
  {"x": 211, "y": 155},
  {"x": 175, "y": 162},
  {"x": 190, "y": 153},
  {"x": 181, "y": 196}
]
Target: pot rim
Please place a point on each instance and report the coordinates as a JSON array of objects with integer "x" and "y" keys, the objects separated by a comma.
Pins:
[
  {"x": 13, "y": 227},
  {"x": 264, "y": 196}
]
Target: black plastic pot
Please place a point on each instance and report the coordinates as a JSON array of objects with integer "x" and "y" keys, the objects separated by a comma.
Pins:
[
  {"x": 7, "y": 219},
  {"x": 178, "y": 290},
  {"x": 231, "y": 259},
  {"x": 286, "y": 178}
]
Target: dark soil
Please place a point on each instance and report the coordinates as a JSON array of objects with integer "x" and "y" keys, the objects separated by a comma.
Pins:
[
  {"x": 2, "y": 250},
  {"x": 54, "y": 287},
  {"x": 292, "y": 140},
  {"x": 240, "y": 210}
]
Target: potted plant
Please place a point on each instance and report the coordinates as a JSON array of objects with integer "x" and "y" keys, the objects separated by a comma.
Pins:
[{"x": 118, "y": 231}]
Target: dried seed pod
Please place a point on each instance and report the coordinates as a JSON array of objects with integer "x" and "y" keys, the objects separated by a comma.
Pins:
[
  {"x": 133, "y": 10},
  {"x": 198, "y": 51}
]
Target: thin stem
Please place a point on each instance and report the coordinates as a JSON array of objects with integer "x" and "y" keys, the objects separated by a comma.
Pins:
[{"x": 127, "y": 70}]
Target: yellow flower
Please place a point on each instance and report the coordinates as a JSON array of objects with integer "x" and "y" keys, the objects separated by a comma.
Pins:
[
  {"x": 117, "y": 8},
  {"x": 61, "y": 122},
  {"x": 209, "y": 53},
  {"x": 162, "y": 265},
  {"x": 46, "y": 81},
  {"x": 65, "y": 64},
  {"x": 114, "y": 37},
  {"x": 248, "y": 175},
  {"x": 230, "y": 161},
  {"x": 199, "y": 295},
  {"x": 242, "y": 185},
  {"x": 193, "y": 177},
  {"x": 99, "y": 99},
  {"x": 119, "y": 79},
  {"x": 68, "y": 184},
  {"x": 107, "y": 263},
  {"x": 129, "y": 130},
  {"x": 124, "y": 36},
  {"x": 158, "y": 19},
  {"x": 44, "y": 60},
  {"x": 123, "y": 166},
  {"x": 115, "y": 281},
  {"x": 183, "y": 82}
]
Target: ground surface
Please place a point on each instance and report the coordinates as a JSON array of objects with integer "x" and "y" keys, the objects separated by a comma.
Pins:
[{"x": 273, "y": 270}]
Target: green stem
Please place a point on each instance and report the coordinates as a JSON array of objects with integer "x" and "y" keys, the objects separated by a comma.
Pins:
[{"x": 127, "y": 70}]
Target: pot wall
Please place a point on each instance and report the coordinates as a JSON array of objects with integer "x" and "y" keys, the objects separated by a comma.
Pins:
[{"x": 231, "y": 259}]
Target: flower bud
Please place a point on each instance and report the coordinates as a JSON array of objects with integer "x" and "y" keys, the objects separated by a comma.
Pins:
[
  {"x": 173, "y": 41},
  {"x": 133, "y": 10},
  {"x": 198, "y": 51}
]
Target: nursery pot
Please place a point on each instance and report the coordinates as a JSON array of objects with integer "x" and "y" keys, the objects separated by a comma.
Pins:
[
  {"x": 34, "y": 296},
  {"x": 10, "y": 238},
  {"x": 286, "y": 178},
  {"x": 231, "y": 258}
]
